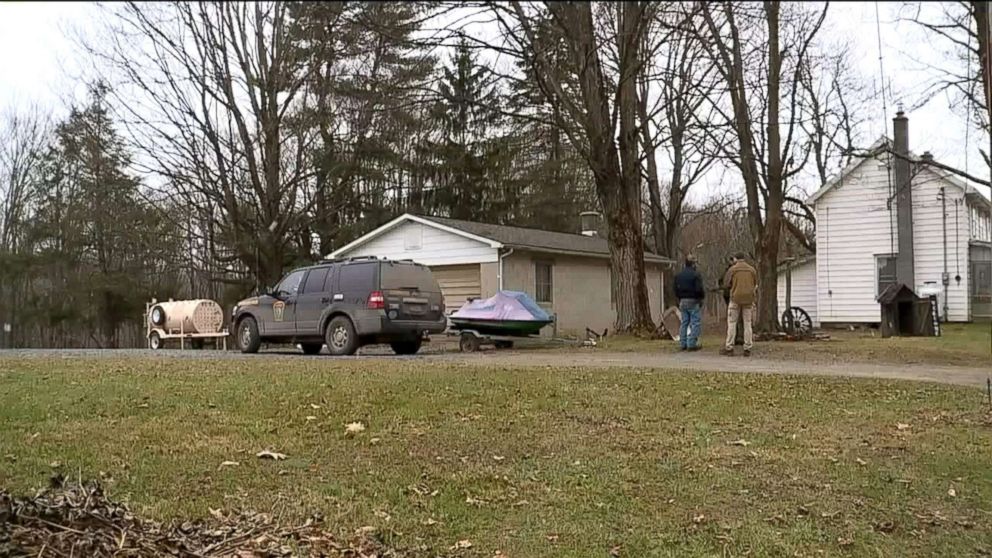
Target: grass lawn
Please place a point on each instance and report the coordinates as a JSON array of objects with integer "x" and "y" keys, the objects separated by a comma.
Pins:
[
  {"x": 960, "y": 345},
  {"x": 528, "y": 462}
]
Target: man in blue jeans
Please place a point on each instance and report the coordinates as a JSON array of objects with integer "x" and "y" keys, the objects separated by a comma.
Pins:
[{"x": 690, "y": 292}]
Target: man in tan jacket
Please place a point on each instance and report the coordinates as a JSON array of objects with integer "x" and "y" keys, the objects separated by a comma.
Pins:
[{"x": 742, "y": 280}]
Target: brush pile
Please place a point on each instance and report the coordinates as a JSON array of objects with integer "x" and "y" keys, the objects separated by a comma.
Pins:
[{"x": 73, "y": 519}]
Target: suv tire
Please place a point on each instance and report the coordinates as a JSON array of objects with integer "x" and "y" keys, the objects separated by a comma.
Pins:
[
  {"x": 248, "y": 339},
  {"x": 340, "y": 337},
  {"x": 409, "y": 347},
  {"x": 311, "y": 348}
]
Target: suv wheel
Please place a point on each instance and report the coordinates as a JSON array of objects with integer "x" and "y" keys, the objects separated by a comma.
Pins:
[
  {"x": 341, "y": 337},
  {"x": 311, "y": 348},
  {"x": 248, "y": 338},
  {"x": 409, "y": 347}
]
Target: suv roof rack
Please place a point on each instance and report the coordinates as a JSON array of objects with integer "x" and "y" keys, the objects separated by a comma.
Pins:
[{"x": 343, "y": 260}]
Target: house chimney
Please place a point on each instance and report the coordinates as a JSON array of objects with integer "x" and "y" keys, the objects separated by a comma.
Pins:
[
  {"x": 590, "y": 223},
  {"x": 904, "y": 201}
]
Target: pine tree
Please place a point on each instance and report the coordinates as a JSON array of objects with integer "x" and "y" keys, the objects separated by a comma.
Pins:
[{"x": 472, "y": 155}]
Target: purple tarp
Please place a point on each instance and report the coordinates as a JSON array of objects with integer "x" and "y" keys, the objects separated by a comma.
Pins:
[{"x": 504, "y": 305}]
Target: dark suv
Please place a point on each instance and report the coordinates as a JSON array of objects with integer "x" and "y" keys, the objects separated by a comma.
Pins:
[{"x": 345, "y": 304}]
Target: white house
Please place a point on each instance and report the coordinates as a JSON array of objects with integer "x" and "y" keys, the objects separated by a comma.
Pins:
[{"x": 858, "y": 244}]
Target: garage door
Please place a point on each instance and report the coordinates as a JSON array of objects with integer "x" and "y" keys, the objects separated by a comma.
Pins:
[{"x": 458, "y": 283}]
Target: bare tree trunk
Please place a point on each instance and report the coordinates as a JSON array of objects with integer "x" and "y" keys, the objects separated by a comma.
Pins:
[{"x": 586, "y": 118}]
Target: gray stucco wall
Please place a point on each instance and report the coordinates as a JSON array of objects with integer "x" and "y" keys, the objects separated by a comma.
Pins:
[{"x": 581, "y": 289}]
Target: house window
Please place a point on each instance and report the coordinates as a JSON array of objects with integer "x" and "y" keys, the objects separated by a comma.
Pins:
[
  {"x": 543, "y": 281},
  {"x": 886, "y": 266}
]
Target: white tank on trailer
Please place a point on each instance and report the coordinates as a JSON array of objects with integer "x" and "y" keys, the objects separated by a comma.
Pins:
[{"x": 188, "y": 316}]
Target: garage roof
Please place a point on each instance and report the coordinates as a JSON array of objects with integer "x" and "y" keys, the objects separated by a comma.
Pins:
[{"x": 505, "y": 236}]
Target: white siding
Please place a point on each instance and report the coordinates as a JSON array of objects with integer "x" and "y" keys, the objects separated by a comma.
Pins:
[
  {"x": 436, "y": 247},
  {"x": 803, "y": 290},
  {"x": 854, "y": 227},
  {"x": 928, "y": 240}
]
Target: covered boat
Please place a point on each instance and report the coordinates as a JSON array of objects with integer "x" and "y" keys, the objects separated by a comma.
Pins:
[{"x": 505, "y": 313}]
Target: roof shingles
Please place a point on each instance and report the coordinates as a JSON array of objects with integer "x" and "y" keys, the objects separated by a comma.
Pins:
[{"x": 535, "y": 239}]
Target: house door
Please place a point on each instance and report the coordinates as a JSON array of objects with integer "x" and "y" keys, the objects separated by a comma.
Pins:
[{"x": 981, "y": 289}]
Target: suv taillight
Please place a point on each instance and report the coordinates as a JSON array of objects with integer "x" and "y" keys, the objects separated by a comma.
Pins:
[{"x": 376, "y": 301}]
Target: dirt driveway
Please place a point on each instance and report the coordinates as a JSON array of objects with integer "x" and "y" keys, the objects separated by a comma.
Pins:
[{"x": 960, "y": 375}]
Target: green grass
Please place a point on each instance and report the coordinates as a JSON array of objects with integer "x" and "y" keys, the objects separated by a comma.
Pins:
[
  {"x": 960, "y": 345},
  {"x": 531, "y": 462}
]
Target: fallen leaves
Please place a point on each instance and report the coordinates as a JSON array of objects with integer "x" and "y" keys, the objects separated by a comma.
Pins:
[
  {"x": 266, "y": 454},
  {"x": 353, "y": 428},
  {"x": 861, "y": 462},
  {"x": 72, "y": 519},
  {"x": 462, "y": 545},
  {"x": 951, "y": 492},
  {"x": 901, "y": 426},
  {"x": 742, "y": 442},
  {"x": 228, "y": 464},
  {"x": 552, "y": 537}
]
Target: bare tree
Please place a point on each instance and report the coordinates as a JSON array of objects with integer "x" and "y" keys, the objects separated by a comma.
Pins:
[
  {"x": 594, "y": 92},
  {"x": 962, "y": 27},
  {"x": 680, "y": 126},
  {"x": 23, "y": 137},
  {"x": 760, "y": 54},
  {"x": 208, "y": 93}
]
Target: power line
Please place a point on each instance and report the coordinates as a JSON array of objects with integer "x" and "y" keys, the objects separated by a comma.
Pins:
[{"x": 885, "y": 127}]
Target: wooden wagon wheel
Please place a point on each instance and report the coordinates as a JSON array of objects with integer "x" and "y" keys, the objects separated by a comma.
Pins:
[{"x": 796, "y": 321}]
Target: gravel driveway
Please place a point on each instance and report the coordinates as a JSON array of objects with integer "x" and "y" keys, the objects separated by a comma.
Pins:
[{"x": 580, "y": 358}]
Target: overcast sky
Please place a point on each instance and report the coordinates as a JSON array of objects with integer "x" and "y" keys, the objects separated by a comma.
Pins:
[{"x": 41, "y": 65}]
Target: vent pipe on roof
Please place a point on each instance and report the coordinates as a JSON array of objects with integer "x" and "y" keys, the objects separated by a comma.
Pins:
[
  {"x": 590, "y": 223},
  {"x": 904, "y": 201}
]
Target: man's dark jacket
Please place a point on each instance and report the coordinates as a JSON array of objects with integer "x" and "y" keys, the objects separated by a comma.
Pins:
[{"x": 689, "y": 284}]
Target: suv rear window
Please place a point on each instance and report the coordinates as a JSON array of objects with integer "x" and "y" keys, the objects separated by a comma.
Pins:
[{"x": 408, "y": 276}]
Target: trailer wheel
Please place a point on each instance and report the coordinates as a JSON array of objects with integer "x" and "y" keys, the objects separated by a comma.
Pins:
[
  {"x": 154, "y": 341},
  {"x": 469, "y": 343}
]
